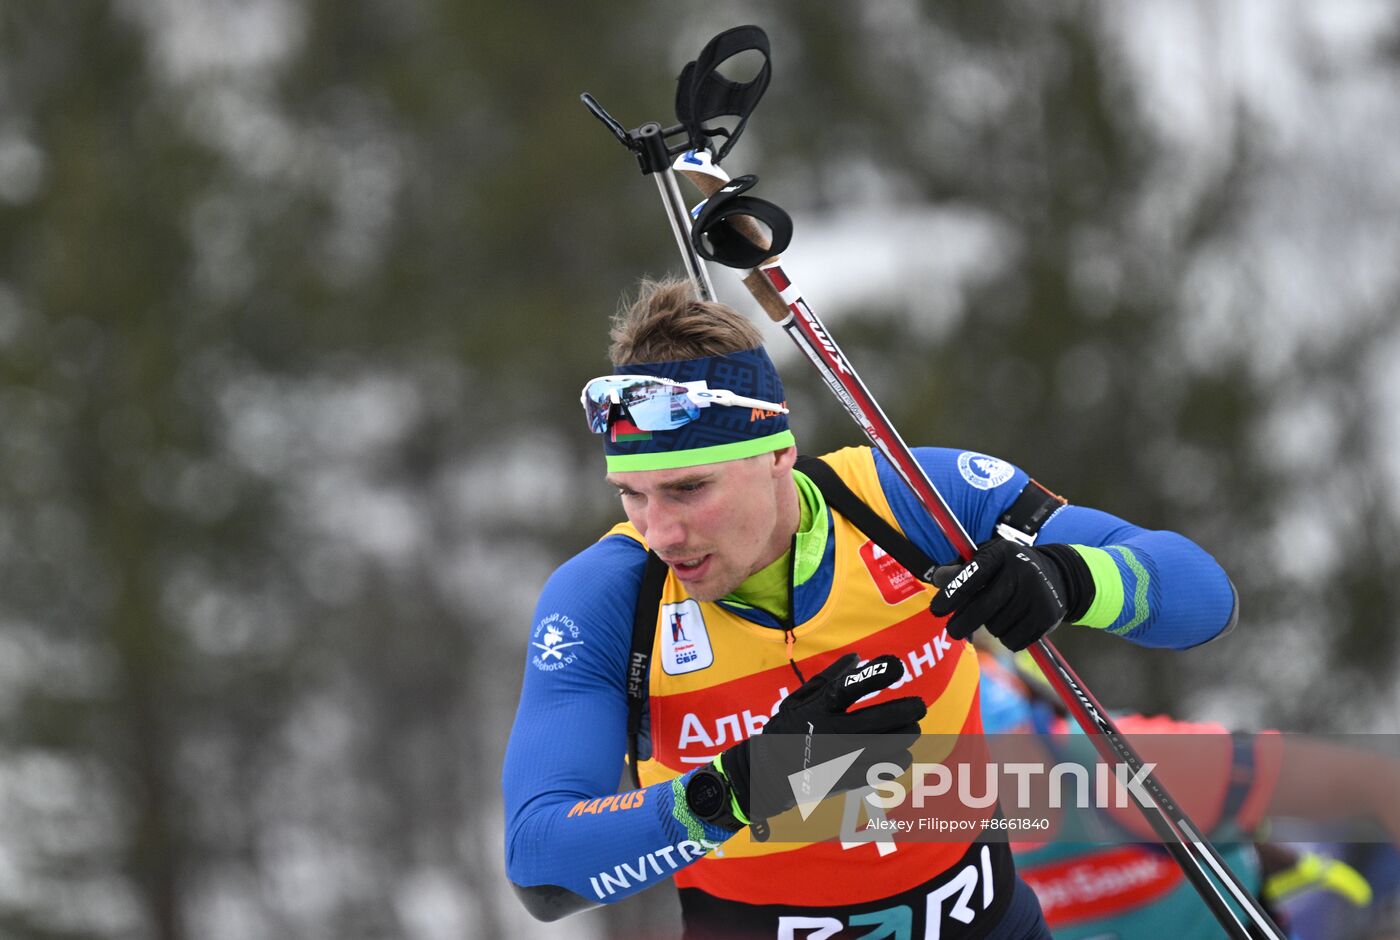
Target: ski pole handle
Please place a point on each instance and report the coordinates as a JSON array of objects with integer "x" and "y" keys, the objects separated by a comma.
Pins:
[{"x": 709, "y": 179}]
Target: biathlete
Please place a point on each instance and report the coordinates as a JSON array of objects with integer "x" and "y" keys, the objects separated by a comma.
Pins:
[{"x": 775, "y": 613}]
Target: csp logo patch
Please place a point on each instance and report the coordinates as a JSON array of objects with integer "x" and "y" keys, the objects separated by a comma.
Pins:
[
  {"x": 554, "y": 640},
  {"x": 983, "y": 472}
]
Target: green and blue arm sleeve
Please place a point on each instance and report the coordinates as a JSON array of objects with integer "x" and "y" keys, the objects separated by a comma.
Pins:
[{"x": 1155, "y": 588}]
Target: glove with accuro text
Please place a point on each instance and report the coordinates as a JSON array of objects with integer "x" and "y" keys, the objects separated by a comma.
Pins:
[{"x": 1019, "y": 593}]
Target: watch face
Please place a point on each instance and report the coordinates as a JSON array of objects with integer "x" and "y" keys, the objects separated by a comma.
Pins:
[{"x": 705, "y": 793}]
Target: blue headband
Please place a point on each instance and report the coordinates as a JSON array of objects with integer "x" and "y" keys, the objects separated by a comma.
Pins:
[{"x": 720, "y": 433}]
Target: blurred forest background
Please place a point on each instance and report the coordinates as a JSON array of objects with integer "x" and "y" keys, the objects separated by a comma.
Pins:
[{"x": 296, "y": 297}]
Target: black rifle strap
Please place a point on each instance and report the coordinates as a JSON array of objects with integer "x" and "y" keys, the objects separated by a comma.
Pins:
[
  {"x": 639, "y": 660},
  {"x": 840, "y": 497}
]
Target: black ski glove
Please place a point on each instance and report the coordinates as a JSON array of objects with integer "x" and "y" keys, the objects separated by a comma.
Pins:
[
  {"x": 808, "y": 718},
  {"x": 1017, "y": 592}
]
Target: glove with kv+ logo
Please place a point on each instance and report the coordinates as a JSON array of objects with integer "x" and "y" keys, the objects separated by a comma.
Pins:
[
  {"x": 751, "y": 779},
  {"x": 1017, "y": 592}
]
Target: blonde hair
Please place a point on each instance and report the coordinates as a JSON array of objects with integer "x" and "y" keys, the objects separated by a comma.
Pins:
[{"x": 668, "y": 322}]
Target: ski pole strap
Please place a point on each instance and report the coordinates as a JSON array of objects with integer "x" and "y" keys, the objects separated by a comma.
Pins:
[
  {"x": 639, "y": 660},
  {"x": 1032, "y": 509},
  {"x": 715, "y": 239},
  {"x": 703, "y": 94}
]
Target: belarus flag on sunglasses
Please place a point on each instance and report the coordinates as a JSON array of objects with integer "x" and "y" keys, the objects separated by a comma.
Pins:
[{"x": 622, "y": 430}]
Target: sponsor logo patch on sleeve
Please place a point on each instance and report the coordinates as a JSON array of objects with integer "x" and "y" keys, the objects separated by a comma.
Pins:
[{"x": 555, "y": 641}]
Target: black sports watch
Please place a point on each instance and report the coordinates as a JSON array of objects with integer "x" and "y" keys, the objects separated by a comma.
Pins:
[{"x": 710, "y": 797}]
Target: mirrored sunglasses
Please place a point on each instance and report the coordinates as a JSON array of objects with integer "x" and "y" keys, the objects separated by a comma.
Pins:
[{"x": 655, "y": 404}]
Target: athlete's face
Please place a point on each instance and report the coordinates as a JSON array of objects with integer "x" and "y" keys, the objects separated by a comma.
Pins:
[{"x": 716, "y": 524}]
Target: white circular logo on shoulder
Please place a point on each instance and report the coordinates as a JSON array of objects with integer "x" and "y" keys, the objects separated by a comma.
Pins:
[
  {"x": 555, "y": 637},
  {"x": 984, "y": 472}
]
